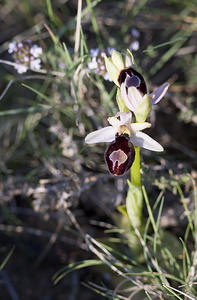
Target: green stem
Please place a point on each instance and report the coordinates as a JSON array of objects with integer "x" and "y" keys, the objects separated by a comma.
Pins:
[{"x": 135, "y": 169}]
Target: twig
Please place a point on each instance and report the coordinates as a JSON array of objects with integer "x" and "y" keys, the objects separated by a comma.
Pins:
[
  {"x": 41, "y": 71},
  {"x": 101, "y": 256},
  {"x": 63, "y": 202},
  {"x": 78, "y": 26},
  {"x": 180, "y": 292},
  {"x": 104, "y": 255},
  {"x": 39, "y": 232},
  {"x": 104, "y": 289},
  {"x": 102, "y": 224}
]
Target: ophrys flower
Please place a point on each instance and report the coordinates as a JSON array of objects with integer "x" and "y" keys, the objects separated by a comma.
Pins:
[
  {"x": 133, "y": 87},
  {"x": 122, "y": 136}
]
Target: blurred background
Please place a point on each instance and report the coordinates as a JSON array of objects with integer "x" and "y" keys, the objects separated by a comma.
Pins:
[{"x": 53, "y": 187}]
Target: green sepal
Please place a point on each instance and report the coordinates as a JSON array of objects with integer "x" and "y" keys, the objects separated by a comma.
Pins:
[
  {"x": 134, "y": 202},
  {"x": 143, "y": 109},
  {"x": 121, "y": 105},
  {"x": 112, "y": 70},
  {"x": 117, "y": 60},
  {"x": 122, "y": 209},
  {"x": 130, "y": 55}
]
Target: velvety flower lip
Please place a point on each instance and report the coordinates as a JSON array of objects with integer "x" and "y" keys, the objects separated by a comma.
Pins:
[
  {"x": 120, "y": 155},
  {"x": 121, "y": 125}
]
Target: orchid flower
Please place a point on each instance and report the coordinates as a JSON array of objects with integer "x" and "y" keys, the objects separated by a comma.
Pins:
[
  {"x": 133, "y": 88},
  {"x": 122, "y": 136}
]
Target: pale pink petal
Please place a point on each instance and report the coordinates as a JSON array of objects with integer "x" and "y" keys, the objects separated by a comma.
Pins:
[
  {"x": 103, "y": 135},
  {"x": 145, "y": 141},
  {"x": 158, "y": 94},
  {"x": 139, "y": 126}
]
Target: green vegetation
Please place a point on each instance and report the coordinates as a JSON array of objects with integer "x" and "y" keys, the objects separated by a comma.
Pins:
[{"x": 61, "y": 211}]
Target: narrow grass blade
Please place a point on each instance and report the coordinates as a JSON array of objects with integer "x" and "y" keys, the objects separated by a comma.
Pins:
[
  {"x": 6, "y": 259},
  {"x": 75, "y": 266}
]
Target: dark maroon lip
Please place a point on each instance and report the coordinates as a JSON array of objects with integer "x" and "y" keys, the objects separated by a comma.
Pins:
[
  {"x": 120, "y": 155},
  {"x": 132, "y": 78}
]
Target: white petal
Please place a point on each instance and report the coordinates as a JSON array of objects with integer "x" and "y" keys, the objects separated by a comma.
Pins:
[
  {"x": 158, "y": 94},
  {"x": 125, "y": 117},
  {"x": 103, "y": 135},
  {"x": 145, "y": 141},
  {"x": 139, "y": 126},
  {"x": 113, "y": 121},
  {"x": 124, "y": 96}
]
